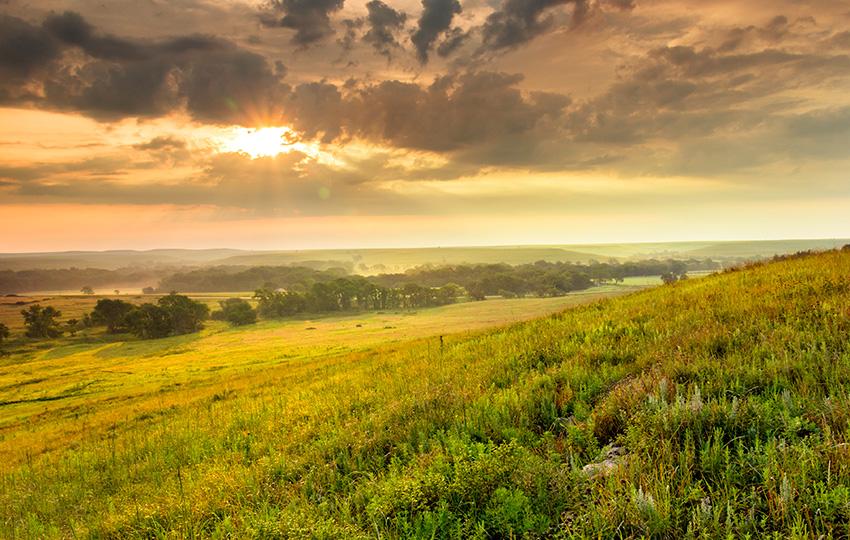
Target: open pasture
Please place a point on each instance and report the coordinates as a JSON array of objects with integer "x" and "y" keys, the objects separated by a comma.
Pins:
[{"x": 52, "y": 392}]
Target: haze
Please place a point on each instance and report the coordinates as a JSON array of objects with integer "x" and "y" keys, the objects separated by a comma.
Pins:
[{"x": 342, "y": 123}]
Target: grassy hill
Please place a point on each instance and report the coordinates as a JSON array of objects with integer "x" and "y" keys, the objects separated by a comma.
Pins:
[{"x": 714, "y": 407}]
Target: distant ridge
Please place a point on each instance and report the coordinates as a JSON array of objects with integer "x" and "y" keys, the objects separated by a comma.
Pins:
[{"x": 376, "y": 260}]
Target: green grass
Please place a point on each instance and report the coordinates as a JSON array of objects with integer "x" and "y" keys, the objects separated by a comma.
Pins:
[{"x": 728, "y": 392}]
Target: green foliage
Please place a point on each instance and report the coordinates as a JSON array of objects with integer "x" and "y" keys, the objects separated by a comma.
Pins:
[
  {"x": 4, "y": 334},
  {"x": 669, "y": 278},
  {"x": 173, "y": 314},
  {"x": 343, "y": 294},
  {"x": 185, "y": 315},
  {"x": 41, "y": 322},
  {"x": 148, "y": 321},
  {"x": 279, "y": 304},
  {"x": 236, "y": 311},
  {"x": 111, "y": 313}
]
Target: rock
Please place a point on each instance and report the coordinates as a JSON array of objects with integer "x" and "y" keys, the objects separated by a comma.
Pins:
[{"x": 611, "y": 460}]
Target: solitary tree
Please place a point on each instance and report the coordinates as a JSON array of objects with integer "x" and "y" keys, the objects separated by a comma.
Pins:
[
  {"x": 148, "y": 290},
  {"x": 41, "y": 322},
  {"x": 87, "y": 290}
]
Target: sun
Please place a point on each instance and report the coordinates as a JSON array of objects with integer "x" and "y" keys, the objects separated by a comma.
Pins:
[{"x": 268, "y": 141}]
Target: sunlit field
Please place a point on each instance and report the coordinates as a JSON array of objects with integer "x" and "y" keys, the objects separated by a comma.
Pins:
[
  {"x": 100, "y": 379},
  {"x": 713, "y": 407}
]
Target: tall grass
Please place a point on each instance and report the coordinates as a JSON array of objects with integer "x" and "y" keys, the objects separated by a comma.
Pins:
[{"x": 730, "y": 395}]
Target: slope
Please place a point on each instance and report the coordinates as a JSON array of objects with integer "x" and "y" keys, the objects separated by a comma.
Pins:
[{"x": 713, "y": 407}]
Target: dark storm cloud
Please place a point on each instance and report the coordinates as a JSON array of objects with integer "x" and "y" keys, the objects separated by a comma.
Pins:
[
  {"x": 214, "y": 79},
  {"x": 349, "y": 37},
  {"x": 25, "y": 50},
  {"x": 454, "y": 39},
  {"x": 317, "y": 110},
  {"x": 232, "y": 85},
  {"x": 309, "y": 18},
  {"x": 384, "y": 24},
  {"x": 452, "y": 113},
  {"x": 519, "y": 21},
  {"x": 436, "y": 18}
]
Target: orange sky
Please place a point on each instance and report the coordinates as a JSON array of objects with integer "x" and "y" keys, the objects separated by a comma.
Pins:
[{"x": 132, "y": 125}]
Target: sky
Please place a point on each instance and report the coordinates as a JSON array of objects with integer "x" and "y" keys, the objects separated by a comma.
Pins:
[{"x": 297, "y": 124}]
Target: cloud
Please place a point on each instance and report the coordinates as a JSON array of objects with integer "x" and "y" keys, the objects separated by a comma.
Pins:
[
  {"x": 384, "y": 24},
  {"x": 454, "y": 39},
  {"x": 160, "y": 143},
  {"x": 452, "y": 113},
  {"x": 213, "y": 79},
  {"x": 520, "y": 21},
  {"x": 309, "y": 18},
  {"x": 436, "y": 19},
  {"x": 284, "y": 185},
  {"x": 25, "y": 50}
]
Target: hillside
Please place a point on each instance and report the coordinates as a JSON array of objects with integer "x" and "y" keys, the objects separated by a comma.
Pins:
[{"x": 709, "y": 408}]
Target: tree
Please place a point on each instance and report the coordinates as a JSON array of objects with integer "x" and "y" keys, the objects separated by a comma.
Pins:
[
  {"x": 279, "y": 304},
  {"x": 668, "y": 278},
  {"x": 236, "y": 311},
  {"x": 71, "y": 326},
  {"x": 111, "y": 313},
  {"x": 148, "y": 321},
  {"x": 41, "y": 322},
  {"x": 4, "y": 334},
  {"x": 87, "y": 290},
  {"x": 148, "y": 290},
  {"x": 476, "y": 292},
  {"x": 186, "y": 315}
]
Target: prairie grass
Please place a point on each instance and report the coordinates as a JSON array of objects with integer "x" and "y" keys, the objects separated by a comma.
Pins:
[{"x": 730, "y": 395}]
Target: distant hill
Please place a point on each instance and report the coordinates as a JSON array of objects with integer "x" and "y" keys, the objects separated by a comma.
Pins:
[
  {"x": 111, "y": 260},
  {"x": 375, "y": 261}
]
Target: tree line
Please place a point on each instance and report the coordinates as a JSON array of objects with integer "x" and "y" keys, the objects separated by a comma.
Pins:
[
  {"x": 60, "y": 279},
  {"x": 173, "y": 314},
  {"x": 540, "y": 277},
  {"x": 343, "y": 294},
  {"x": 226, "y": 279}
]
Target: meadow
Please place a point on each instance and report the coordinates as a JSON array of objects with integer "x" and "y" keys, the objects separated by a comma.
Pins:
[{"x": 713, "y": 407}]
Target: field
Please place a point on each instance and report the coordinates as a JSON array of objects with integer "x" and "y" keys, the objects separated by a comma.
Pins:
[
  {"x": 714, "y": 407},
  {"x": 101, "y": 381}
]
